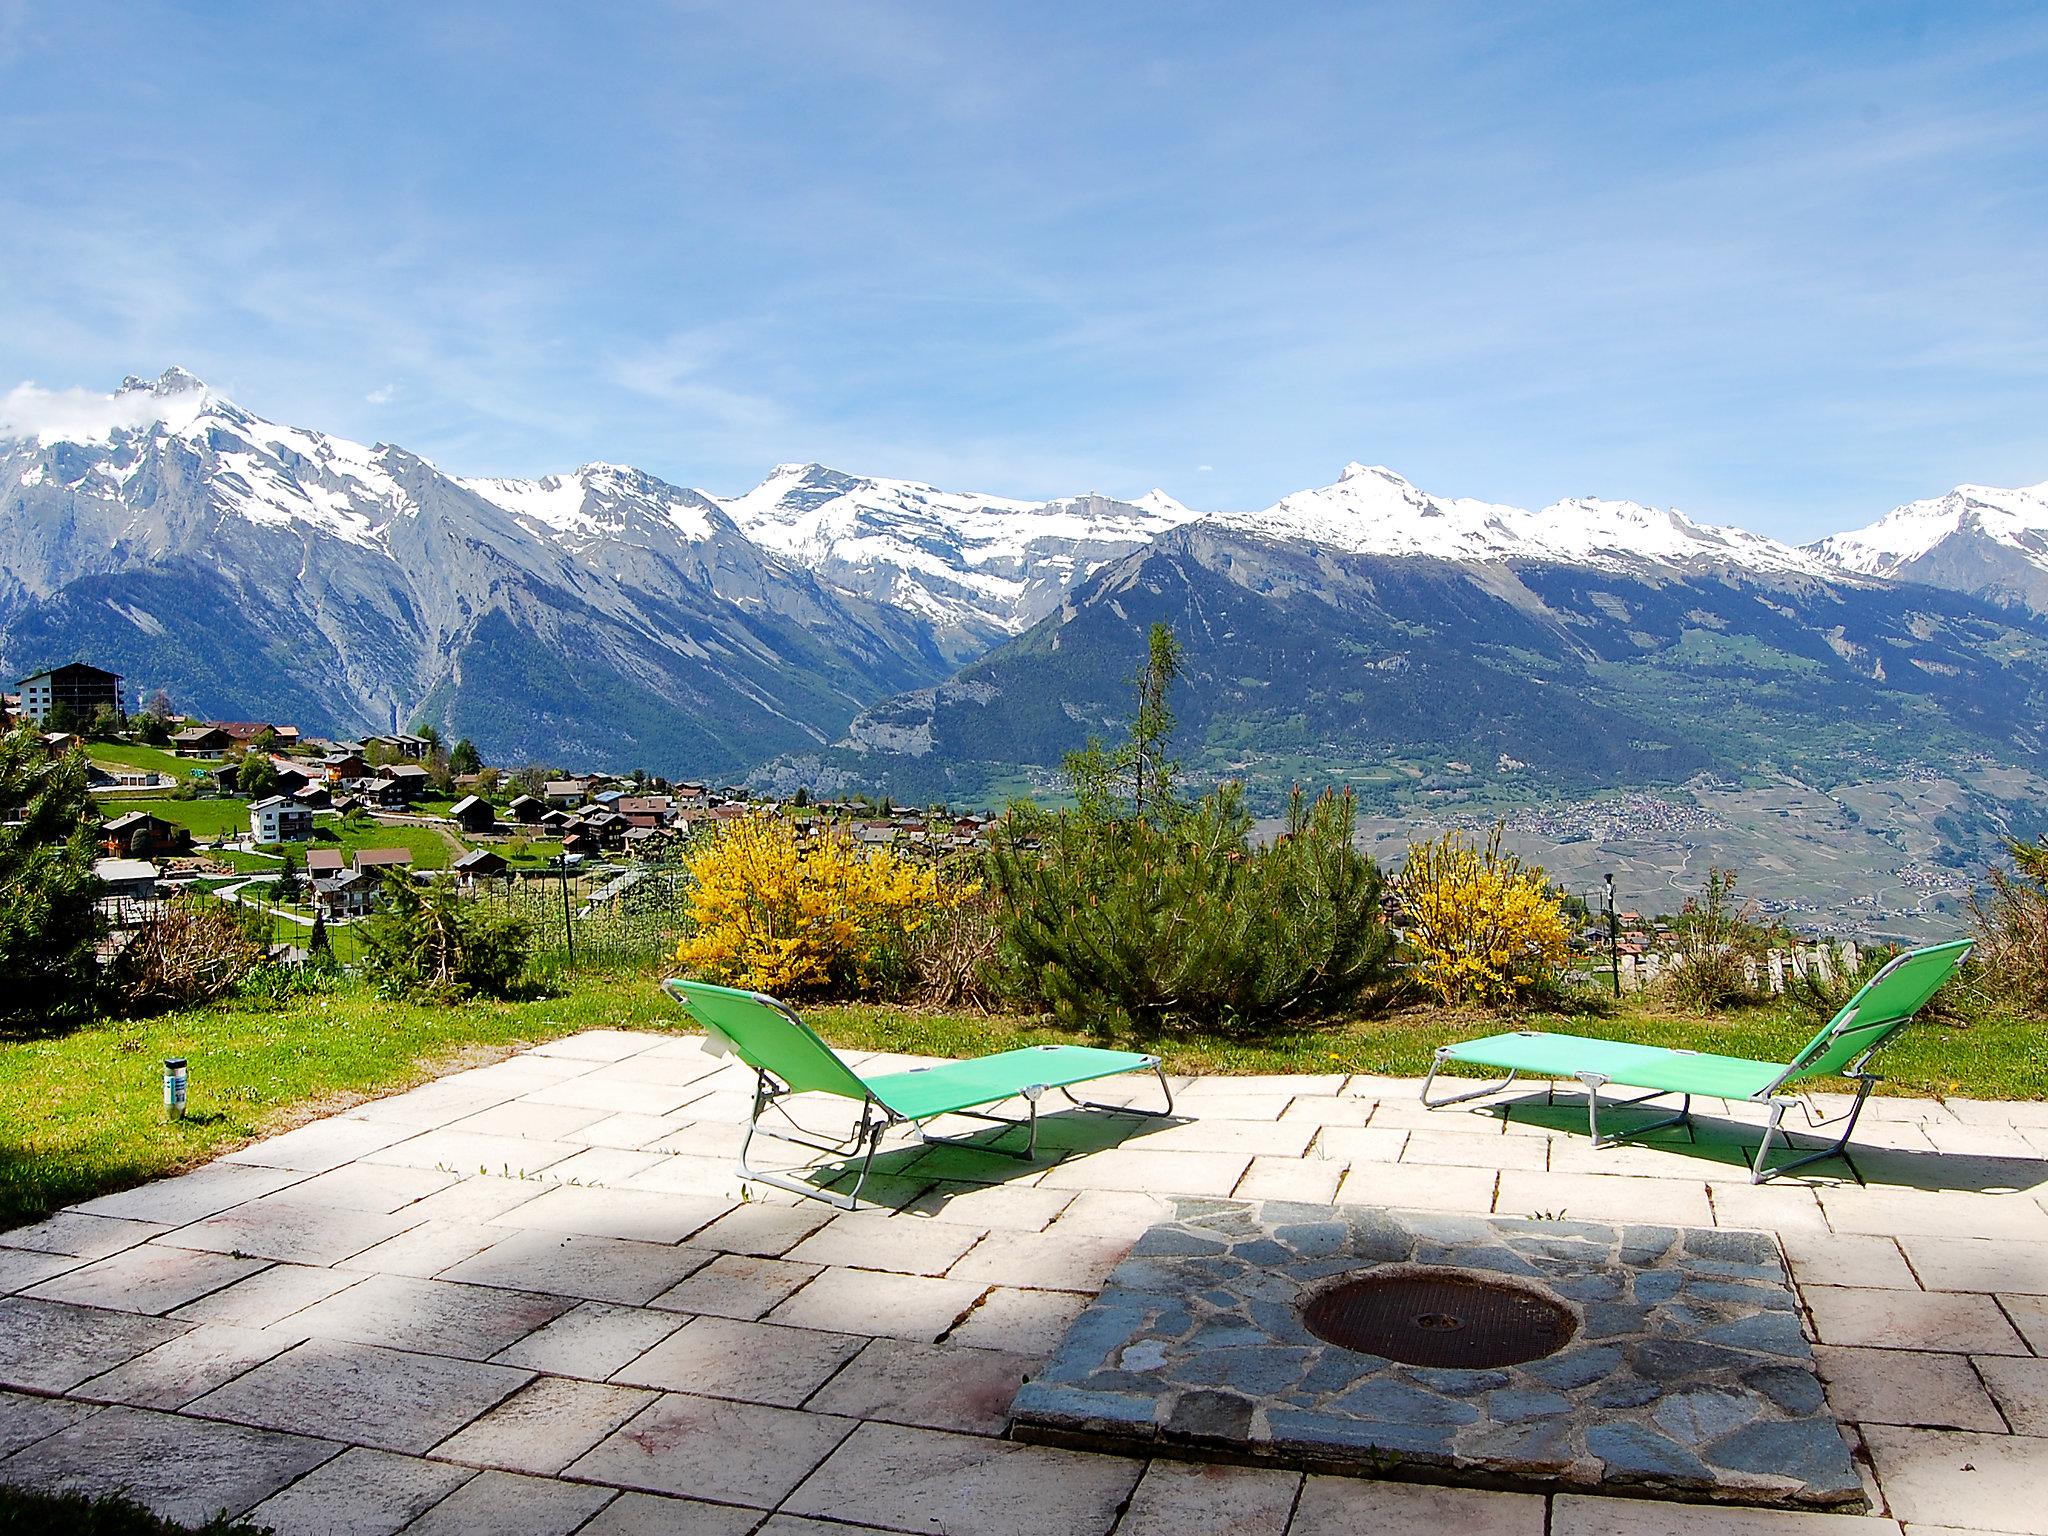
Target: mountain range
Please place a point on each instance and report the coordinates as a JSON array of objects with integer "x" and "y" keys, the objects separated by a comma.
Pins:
[{"x": 838, "y": 629}]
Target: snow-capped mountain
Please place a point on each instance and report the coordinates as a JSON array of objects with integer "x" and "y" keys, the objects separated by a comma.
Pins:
[
  {"x": 1371, "y": 510},
  {"x": 258, "y": 570},
  {"x": 977, "y": 568},
  {"x": 1978, "y": 539}
]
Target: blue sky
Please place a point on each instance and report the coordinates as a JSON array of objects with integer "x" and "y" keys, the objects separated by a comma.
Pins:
[{"x": 1779, "y": 265}]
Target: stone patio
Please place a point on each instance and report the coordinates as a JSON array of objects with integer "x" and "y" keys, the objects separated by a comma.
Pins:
[{"x": 530, "y": 1297}]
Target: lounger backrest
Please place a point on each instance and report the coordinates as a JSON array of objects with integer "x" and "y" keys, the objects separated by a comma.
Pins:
[
  {"x": 1882, "y": 1007},
  {"x": 768, "y": 1037}
]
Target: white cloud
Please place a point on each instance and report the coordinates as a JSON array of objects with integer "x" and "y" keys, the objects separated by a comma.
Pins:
[
  {"x": 50, "y": 415},
  {"x": 1205, "y": 469},
  {"x": 383, "y": 394}
]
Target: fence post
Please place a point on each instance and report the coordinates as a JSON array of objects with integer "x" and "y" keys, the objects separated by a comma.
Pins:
[
  {"x": 1821, "y": 964},
  {"x": 1777, "y": 963}
]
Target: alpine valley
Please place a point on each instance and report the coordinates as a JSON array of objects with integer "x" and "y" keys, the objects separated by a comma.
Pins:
[{"x": 841, "y": 631}]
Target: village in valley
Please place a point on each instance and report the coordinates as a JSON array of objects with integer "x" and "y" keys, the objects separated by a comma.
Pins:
[{"x": 259, "y": 813}]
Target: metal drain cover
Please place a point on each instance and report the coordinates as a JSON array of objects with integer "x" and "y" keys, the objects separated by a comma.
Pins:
[{"x": 1441, "y": 1317}]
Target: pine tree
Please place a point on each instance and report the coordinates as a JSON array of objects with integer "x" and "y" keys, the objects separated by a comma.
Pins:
[{"x": 49, "y": 896}]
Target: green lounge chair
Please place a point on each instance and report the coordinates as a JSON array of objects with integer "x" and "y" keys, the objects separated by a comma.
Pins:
[
  {"x": 788, "y": 1058},
  {"x": 1883, "y": 1006}
]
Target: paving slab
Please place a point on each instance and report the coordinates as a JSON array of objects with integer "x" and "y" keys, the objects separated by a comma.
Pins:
[
  {"x": 647, "y": 1514},
  {"x": 1343, "y": 1506},
  {"x": 1952, "y": 1322},
  {"x": 360, "y": 1493},
  {"x": 529, "y": 1120},
  {"x": 905, "y": 1479},
  {"x": 1582, "y": 1515},
  {"x": 590, "y": 1268},
  {"x": 386, "y": 1399},
  {"x": 1021, "y": 1322},
  {"x": 51, "y": 1346},
  {"x": 190, "y": 1196},
  {"x": 906, "y": 1245},
  {"x": 436, "y": 1317},
  {"x": 878, "y": 1305},
  {"x": 296, "y": 1231},
  {"x": 591, "y": 1340},
  {"x": 1938, "y": 1476},
  {"x": 508, "y": 1502},
  {"x": 147, "y": 1279},
  {"x": 601, "y": 1045},
  {"x": 470, "y": 1152},
  {"x": 629, "y": 1131},
  {"x": 1184, "y": 1498},
  {"x": 1924, "y": 1213},
  {"x": 1852, "y": 1259},
  {"x": 737, "y": 1285},
  {"x": 378, "y": 1187},
  {"x": 81, "y": 1235},
  {"x": 183, "y": 1469},
  {"x": 1142, "y": 1169},
  {"x": 24, "y": 1420},
  {"x": 1418, "y": 1187},
  {"x": 765, "y": 1231},
  {"x": 266, "y": 1299},
  {"x": 636, "y": 1214},
  {"x": 1287, "y": 1178},
  {"x": 754, "y": 1362},
  {"x": 2021, "y": 1387},
  {"x": 23, "y": 1268},
  {"x": 2029, "y": 1314},
  {"x": 676, "y": 1173},
  {"x": 615, "y": 1097},
  {"x": 544, "y": 1426},
  {"x": 715, "y": 1450},
  {"x": 1605, "y": 1197},
  {"x": 322, "y": 1145},
  {"x": 1979, "y": 1264},
  {"x": 477, "y": 1199},
  {"x": 938, "y": 1386},
  {"x": 424, "y": 1250},
  {"x": 174, "y": 1373},
  {"x": 1904, "y": 1386},
  {"x": 1053, "y": 1260}
]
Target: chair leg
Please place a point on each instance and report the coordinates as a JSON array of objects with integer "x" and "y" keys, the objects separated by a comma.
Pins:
[
  {"x": 1165, "y": 1089},
  {"x": 1763, "y": 1172},
  {"x": 1594, "y": 1082},
  {"x": 869, "y": 1130},
  {"x": 1458, "y": 1098}
]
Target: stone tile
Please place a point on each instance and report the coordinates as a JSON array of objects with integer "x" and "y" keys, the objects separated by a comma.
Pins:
[
  {"x": 508, "y": 1502},
  {"x": 904, "y": 1245},
  {"x": 600, "y": 1045},
  {"x": 616, "y": 1098},
  {"x": 82, "y": 1236},
  {"x": 1903, "y": 1386},
  {"x": 723, "y": 1452},
  {"x": 1852, "y": 1259},
  {"x": 422, "y": 1109},
  {"x": 174, "y": 1373},
  {"x": 679, "y": 1071},
  {"x": 320, "y": 1146},
  {"x": 1346, "y": 1144},
  {"x": 382, "y": 1398},
  {"x": 754, "y": 1362},
  {"x": 1112, "y": 1213},
  {"x": 1340, "y": 1506},
  {"x": 22, "y": 1268},
  {"x": 424, "y": 1250},
  {"x": 905, "y": 1479},
  {"x": 24, "y": 1420},
  {"x": 674, "y": 1173},
  {"x": 265, "y": 1300},
  {"x": 183, "y": 1469},
  {"x": 1053, "y": 1260},
  {"x": 645, "y": 1514},
  {"x": 47, "y": 1346},
  {"x": 545, "y": 1426},
  {"x": 529, "y": 1120},
  {"x": 1938, "y": 1475},
  {"x": 591, "y": 1341},
  {"x": 1259, "y": 1138},
  {"x": 2021, "y": 1387},
  {"x": 1579, "y": 1515},
  {"x": 1952, "y": 1323},
  {"x": 630, "y": 1132},
  {"x": 1413, "y": 1186},
  {"x": 360, "y": 1493},
  {"x": 1329, "y": 1111},
  {"x": 1978, "y": 1264},
  {"x": 2029, "y": 1314},
  {"x": 1140, "y": 1168},
  {"x": 1605, "y": 1197},
  {"x": 766, "y": 1231},
  {"x": 737, "y": 1285},
  {"x": 627, "y": 1213},
  {"x": 361, "y": 1186},
  {"x": 190, "y": 1196},
  {"x": 1178, "y": 1498},
  {"x": 605, "y": 1165},
  {"x": 1307, "y": 1180},
  {"x": 297, "y": 1231},
  {"x": 1022, "y": 1322},
  {"x": 1780, "y": 1206},
  {"x": 878, "y": 1304},
  {"x": 147, "y": 1279},
  {"x": 799, "y": 1525},
  {"x": 478, "y": 1199},
  {"x": 435, "y": 1317},
  {"x": 592, "y": 1268},
  {"x": 1922, "y": 1213},
  {"x": 1526, "y": 1154},
  {"x": 467, "y": 1152},
  {"x": 939, "y": 1386}
]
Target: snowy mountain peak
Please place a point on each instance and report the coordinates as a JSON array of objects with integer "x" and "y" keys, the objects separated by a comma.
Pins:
[{"x": 1982, "y": 539}]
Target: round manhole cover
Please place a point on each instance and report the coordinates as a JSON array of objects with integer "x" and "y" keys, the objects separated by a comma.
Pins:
[{"x": 1441, "y": 1319}]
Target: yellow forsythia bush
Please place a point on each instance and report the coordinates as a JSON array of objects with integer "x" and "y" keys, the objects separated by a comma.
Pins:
[
  {"x": 780, "y": 913},
  {"x": 1480, "y": 926}
]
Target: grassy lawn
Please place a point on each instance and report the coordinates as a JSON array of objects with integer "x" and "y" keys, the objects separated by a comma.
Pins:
[
  {"x": 133, "y": 754},
  {"x": 429, "y": 848},
  {"x": 84, "y": 1110},
  {"x": 204, "y": 819}
]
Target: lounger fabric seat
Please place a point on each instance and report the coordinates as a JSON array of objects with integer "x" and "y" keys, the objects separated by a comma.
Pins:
[
  {"x": 1882, "y": 1007},
  {"x": 788, "y": 1058}
]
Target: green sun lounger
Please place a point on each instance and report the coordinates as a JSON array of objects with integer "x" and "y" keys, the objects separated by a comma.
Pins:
[
  {"x": 788, "y": 1059},
  {"x": 1883, "y": 1006}
]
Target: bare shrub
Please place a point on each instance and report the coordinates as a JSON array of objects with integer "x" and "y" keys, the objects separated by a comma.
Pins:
[
  {"x": 953, "y": 957},
  {"x": 194, "y": 951},
  {"x": 2011, "y": 918}
]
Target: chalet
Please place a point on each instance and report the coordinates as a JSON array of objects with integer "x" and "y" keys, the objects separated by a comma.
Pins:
[
  {"x": 280, "y": 820},
  {"x": 131, "y": 878},
  {"x": 139, "y": 835},
  {"x": 730, "y": 812},
  {"x": 323, "y": 863},
  {"x": 526, "y": 810},
  {"x": 557, "y": 821},
  {"x": 382, "y": 792},
  {"x": 874, "y": 832},
  {"x": 563, "y": 792},
  {"x": 352, "y": 893},
  {"x": 344, "y": 804},
  {"x": 693, "y": 797},
  {"x": 473, "y": 815},
  {"x": 410, "y": 778},
  {"x": 344, "y": 768},
  {"x": 293, "y": 775},
  {"x": 644, "y": 810},
  {"x": 82, "y": 689},
  {"x": 377, "y": 860},
  {"x": 580, "y": 843},
  {"x": 314, "y": 797},
  {"x": 607, "y": 828},
  {"x": 400, "y": 744},
  {"x": 60, "y": 743},
  {"x": 243, "y": 733},
  {"x": 199, "y": 741},
  {"x": 480, "y": 864}
]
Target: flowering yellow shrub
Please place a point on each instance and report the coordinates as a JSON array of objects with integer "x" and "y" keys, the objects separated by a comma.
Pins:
[
  {"x": 780, "y": 913},
  {"x": 1480, "y": 925}
]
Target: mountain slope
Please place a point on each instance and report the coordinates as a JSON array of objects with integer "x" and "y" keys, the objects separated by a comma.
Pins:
[
  {"x": 253, "y": 569},
  {"x": 1978, "y": 539}
]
